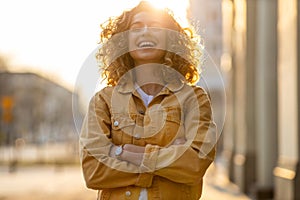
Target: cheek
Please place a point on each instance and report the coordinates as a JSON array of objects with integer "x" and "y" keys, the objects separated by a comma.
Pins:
[
  {"x": 131, "y": 42},
  {"x": 162, "y": 41},
  {"x": 132, "y": 38}
]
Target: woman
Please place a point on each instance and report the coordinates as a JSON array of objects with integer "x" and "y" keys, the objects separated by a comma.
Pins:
[{"x": 149, "y": 134}]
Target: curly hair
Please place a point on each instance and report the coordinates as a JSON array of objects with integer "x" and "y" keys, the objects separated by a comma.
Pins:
[{"x": 183, "y": 53}]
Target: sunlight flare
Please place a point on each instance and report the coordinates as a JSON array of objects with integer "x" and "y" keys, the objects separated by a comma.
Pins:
[{"x": 178, "y": 7}]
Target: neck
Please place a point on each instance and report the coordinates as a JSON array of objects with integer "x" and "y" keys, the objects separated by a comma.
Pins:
[
  {"x": 152, "y": 88},
  {"x": 149, "y": 78}
]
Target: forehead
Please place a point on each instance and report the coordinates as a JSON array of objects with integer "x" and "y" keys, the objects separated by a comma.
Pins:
[{"x": 149, "y": 17}]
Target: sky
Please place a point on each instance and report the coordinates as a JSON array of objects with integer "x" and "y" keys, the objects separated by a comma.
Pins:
[{"x": 55, "y": 37}]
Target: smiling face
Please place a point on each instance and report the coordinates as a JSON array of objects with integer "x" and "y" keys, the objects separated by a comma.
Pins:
[{"x": 147, "y": 38}]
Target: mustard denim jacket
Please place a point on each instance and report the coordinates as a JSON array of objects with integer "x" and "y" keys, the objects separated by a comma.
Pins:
[{"x": 117, "y": 115}]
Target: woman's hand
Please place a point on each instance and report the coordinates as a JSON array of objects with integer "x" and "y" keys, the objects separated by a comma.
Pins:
[
  {"x": 134, "y": 154},
  {"x": 134, "y": 148},
  {"x": 131, "y": 153}
]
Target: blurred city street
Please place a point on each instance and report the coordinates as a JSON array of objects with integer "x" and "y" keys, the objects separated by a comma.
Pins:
[
  {"x": 250, "y": 68},
  {"x": 66, "y": 183}
]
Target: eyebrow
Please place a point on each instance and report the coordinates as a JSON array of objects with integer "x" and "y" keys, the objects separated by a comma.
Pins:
[
  {"x": 135, "y": 22},
  {"x": 151, "y": 22}
]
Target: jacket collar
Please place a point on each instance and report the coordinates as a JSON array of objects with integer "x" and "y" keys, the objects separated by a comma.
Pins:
[{"x": 126, "y": 85}]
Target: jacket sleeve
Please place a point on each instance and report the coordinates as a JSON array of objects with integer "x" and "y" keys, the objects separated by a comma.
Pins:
[
  {"x": 187, "y": 163},
  {"x": 99, "y": 169}
]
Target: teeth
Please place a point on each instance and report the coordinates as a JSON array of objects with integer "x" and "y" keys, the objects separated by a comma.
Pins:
[{"x": 146, "y": 44}]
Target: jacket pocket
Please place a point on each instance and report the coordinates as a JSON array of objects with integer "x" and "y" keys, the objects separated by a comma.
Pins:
[
  {"x": 174, "y": 115},
  {"x": 122, "y": 127},
  {"x": 174, "y": 124},
  {"x": 165, "y": 124}
]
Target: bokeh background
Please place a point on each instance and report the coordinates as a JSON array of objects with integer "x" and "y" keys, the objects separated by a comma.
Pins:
[{"x": 251, "y": 73}]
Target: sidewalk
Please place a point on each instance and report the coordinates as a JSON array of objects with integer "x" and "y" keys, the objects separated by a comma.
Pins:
[
  {"x": 66, "y": 183},
  {"x": 217, "y": 186}
]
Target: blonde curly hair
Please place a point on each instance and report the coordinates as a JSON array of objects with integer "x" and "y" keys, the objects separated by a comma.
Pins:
[{"x": 114, "y": 58}]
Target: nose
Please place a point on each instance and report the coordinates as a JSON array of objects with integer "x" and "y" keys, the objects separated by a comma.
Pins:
[{"x": 145, "y": 29}]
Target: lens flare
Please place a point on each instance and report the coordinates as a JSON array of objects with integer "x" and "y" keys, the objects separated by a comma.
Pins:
[{"x": 178, "y": 7}]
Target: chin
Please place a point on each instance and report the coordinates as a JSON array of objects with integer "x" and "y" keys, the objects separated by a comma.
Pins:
[{"x": 153, "y": 55}]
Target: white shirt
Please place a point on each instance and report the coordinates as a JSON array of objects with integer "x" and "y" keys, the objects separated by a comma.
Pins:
[{"x": 146, "y": 99}]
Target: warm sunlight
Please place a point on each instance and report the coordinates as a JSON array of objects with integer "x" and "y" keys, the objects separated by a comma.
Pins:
[
  {"x": 179, "y": 8},
  {"x": 55, "y": 37}
]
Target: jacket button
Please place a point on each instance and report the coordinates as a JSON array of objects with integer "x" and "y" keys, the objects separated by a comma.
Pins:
[
  {"x": 137, "y": 136},
  {"x": 116, "y": 123},
  {"x": 128, "y": 193}
]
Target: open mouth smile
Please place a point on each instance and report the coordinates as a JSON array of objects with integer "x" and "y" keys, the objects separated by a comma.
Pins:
[{"x": 146, "y": 44}]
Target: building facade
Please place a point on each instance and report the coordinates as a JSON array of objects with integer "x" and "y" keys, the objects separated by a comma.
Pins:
[
  {"x": 260, "y": 65},
  {"x": 35, "y": 109}
]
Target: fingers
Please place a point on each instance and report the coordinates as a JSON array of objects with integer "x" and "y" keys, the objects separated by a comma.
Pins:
[{"x": 134, "y": 148}]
